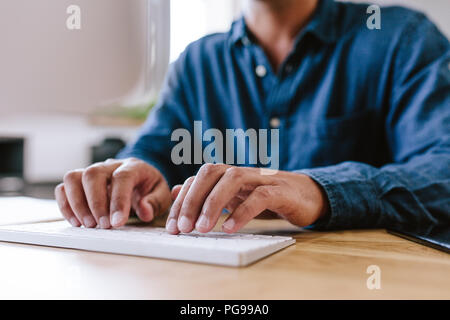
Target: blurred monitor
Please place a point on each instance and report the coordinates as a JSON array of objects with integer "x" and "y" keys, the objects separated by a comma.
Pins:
[
  {"x": 11, "y": 164},
  {"x": 119, "y": 54}
]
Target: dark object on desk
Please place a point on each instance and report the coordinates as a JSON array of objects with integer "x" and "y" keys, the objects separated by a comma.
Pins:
[
  {"x": 437, "y": 238},
  {"x": 107, "y": 149},
  {"x": 11, "y": 164}
]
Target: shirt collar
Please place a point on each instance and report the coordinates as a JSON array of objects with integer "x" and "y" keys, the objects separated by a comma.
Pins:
[{"x": 322, "y": 25}]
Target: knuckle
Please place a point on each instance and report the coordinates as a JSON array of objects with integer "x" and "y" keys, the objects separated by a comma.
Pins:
[
  {"x": 78, "y": 205},
  {"x": 207, "y": 208},
  {"x": 234, "y": 173},
  {"x": 122, "y": 174},
  {"x": 97, "y": 205},
  {"x": 72, "y": 176},
  {"x": 244, "y": 208},
  {"x": 208, "y": 168},
  {"x": 135, "y": 166},
  {"x": 109, "y": 160},
  {"x": 276, "y": 192},
  {"x": 134, "y": 161},
  {"x": 118, "y": 202},
  {"x": 189, "y": 180},
  {"x": 188, "y": 204},
  {"x": 212, "y": 199},
  {"x": 263, "y": 192},
  {"x": 281, "y": 182},
  {"x": 91, "y": 173}
]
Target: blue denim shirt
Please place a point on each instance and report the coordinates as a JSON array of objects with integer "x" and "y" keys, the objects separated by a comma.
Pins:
[{"x": 365, "y": 113}]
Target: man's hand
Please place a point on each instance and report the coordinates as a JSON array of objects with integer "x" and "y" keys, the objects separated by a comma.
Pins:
[
  {"x": 104, "y": 193},
  {"x": 246, "y": 193}
]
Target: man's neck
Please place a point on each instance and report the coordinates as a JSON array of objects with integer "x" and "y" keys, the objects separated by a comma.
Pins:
[{"x": 275, "y": 24}]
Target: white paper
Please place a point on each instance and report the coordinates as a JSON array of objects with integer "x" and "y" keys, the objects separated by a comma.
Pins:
[{"x": 18, "y": 210}]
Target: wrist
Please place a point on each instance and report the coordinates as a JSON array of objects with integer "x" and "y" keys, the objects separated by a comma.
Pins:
[{"x": 319, "y": 199}]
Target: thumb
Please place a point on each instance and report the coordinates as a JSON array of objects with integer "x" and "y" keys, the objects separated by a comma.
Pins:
[{"x": 155, "y": 203}]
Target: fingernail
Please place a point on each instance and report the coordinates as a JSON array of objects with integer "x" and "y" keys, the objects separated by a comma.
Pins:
[
  {"x": 172, "y": 225},
  {"x": 74, "y": 222},
  {"x": 203, "y": 222},
  {"x": 89, "y": 222},
  {"x": 229, "y": 224},
  {"x": 184, "y": 225},
  {"x": 104, "y": 222},
  {"x": 116, "y": 218}
]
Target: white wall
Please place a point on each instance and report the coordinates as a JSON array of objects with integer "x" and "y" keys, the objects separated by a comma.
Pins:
[
  {"x": 51, "y": 76},
  {"x": 45, "y": 66},
  {"x": 437, "y": 10},
  {"x": 193, "y": 19}
]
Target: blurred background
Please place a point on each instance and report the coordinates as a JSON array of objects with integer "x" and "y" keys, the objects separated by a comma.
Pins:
[{"x": 72, "y": 97}]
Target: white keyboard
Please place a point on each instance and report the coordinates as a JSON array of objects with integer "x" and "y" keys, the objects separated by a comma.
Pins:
[{"x": 214, "y": 247}]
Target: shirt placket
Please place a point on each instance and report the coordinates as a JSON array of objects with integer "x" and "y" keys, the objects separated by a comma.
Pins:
[{"x": 277, "y": 97}]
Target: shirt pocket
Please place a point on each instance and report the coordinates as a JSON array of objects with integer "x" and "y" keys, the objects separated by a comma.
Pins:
[
  {"x": 347, "y": 126},
  {"x": 334, "y": 140}
]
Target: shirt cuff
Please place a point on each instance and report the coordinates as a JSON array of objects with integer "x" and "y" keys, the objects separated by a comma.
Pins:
[{"x": 352, "y": 198}]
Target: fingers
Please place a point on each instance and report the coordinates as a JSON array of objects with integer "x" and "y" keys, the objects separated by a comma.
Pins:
[
  {"x": 122, "y": 186},
  {"x": 64, "y": 206},
  {"x": 223, "y": 193},
  {"x": 102, "y": 194},
  {"x": 255, "y": 204},
  {"x": 172, "y": 224},
  {"x": 175, "y": 191},
  {"x": 201, "y": 199},
  {"x": 205, "y": 180},
  {"x": 95, "y": 184},
  {"x": 153, "y": 194},
  {"x": 233, "y": 204},
  {"x": 75, "y": 196},
  {"x": 155, "y": 203}
]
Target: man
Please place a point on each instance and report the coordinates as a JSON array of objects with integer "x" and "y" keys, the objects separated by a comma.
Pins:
[{"x": 363, "y": 118}]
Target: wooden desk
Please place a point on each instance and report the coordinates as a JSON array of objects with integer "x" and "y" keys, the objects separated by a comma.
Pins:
[{"x": 329, "y": 265}]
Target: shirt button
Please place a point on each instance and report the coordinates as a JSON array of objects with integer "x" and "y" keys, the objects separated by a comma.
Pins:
[
  {"x": 261, "y": 71},
  {"x": 275, "y": 123},
  {"x": 289, "y": 68},
  {"x": 245, "y": 41}
]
